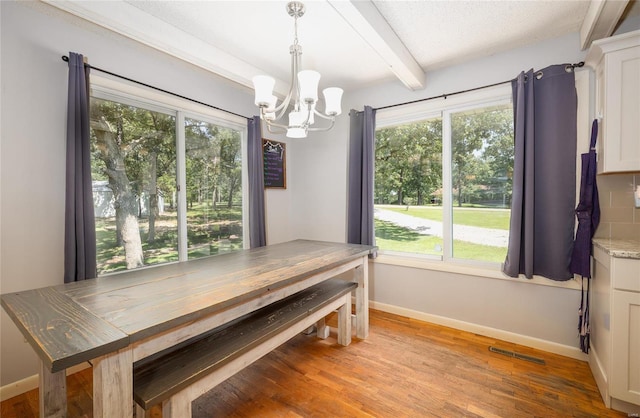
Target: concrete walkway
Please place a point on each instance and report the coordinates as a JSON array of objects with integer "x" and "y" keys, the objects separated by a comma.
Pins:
[{"x": 474, "y": 234}]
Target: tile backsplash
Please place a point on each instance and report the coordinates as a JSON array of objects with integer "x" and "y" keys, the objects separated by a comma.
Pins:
[{"x": 619, "y": 219}]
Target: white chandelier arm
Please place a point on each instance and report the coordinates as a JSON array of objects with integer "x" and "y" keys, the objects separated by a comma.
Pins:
[
  {"x": 280, "y": 129},
  {"x": 324, "y": 128},
  {"x": 268, "y": 121},
  {"x": 322, "y": 115}
]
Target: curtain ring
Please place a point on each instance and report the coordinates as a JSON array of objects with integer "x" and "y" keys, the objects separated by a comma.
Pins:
[
  {"x": 539, "y": 75},
  {"x": 568, "y": 68}
]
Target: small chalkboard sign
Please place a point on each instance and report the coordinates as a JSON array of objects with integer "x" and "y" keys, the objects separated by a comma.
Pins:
[{"x": 275, "y": 167}]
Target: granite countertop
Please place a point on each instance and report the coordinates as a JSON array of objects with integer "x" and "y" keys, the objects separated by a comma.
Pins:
[{"x": 621, "y": 248}]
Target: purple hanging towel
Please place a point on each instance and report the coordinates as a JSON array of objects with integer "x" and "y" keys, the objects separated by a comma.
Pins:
[{"x": 587, "y": 211}]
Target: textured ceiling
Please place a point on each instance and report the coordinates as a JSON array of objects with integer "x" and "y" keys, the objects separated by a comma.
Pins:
[
  {"x": 441, "y": 33},
  {"x": 239, "y": 39}
]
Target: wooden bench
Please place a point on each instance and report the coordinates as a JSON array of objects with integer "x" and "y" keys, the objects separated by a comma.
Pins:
[{"x": 182, "y": 373}]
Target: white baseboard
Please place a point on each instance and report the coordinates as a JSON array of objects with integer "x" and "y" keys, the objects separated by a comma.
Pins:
[
  {"x": 30, "y": 383},
  {"x": 511, "y": 337}
]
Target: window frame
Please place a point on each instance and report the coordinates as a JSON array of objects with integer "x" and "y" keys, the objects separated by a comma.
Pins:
[
  {"x": 443, "y": 108},
  {"x": 107, "y": 88}
]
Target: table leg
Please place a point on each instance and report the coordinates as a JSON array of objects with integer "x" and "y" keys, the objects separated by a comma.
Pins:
[
  {"x": 52, "y": 392},
  {"x": 113, "y": 385},
  {"x": 362, "y": 298}
]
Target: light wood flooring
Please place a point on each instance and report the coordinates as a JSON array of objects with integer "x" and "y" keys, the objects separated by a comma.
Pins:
[{"x": 406, "y": 368}]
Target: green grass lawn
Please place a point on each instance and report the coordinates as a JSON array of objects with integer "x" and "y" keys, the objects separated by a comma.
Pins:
[
  {"x": 481, "y": 217},
  {"x": 392, "y": 237},
  {"x": 209, "y": 232}
]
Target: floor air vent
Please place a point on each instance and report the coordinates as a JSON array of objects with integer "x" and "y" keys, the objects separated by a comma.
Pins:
[{"x": 516, "y": 355}]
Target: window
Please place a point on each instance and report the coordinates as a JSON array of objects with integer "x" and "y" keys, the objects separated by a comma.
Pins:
[
  {"x": 214, "y": 188},
  {"x": 443, "y": 178},
  {"x": 143, "y": 154}
]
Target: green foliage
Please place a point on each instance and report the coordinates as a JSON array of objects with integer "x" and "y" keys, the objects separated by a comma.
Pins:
[
  {"x": 213, "y": 163},
  {"x": 408, "y": 160},
  {"x": 147, "y": 142},
  {"x": 481, "y": 154}
]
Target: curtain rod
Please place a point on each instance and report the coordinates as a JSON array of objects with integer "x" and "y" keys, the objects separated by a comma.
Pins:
[
  {"x": 573, "y": 66},
  {"x": 66, "y": 59}
]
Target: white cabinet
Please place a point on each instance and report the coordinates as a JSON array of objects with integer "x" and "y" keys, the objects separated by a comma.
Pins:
[
  {"x": 625, "y": 323},
  {"x": 614, "y": 357},
  {"x": 616, "y": 61}
]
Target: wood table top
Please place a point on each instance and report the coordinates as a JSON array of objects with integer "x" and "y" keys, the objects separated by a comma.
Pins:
[{"x": 75, "y": 322}]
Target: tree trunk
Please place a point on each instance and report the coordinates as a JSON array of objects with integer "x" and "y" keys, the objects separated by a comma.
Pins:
[
  {"x": 400, "y": 188},
  {"x": 119, "y": 241},
  {"x": 230, "y": 196},
  {"x": 153, "y": 196},
  {"x": 125, "y": 201}
]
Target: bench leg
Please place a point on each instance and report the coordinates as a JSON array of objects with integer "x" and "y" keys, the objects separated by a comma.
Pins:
[
  {"x": 322, "y": 329},
  {"x": 140, "y": 412},
  {"x": 178, "y": 406},
  {"x": 344, "y": 322}
]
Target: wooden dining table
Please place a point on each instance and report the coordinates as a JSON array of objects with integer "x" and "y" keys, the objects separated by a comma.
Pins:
[{"x": 116, "y": 320}]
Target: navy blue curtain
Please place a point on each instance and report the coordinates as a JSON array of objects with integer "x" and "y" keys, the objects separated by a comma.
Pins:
[
  {"x": 361, "y": 165},
  {"x": 544, "y": 174},
  {"x": 80, "y": 231},
  {"x": 257, "y": 230}
]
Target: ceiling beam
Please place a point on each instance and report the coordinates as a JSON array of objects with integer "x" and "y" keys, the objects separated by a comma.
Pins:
[
  {"x": 366, "y": 20},
  {"x": 125, "y": 19},
  {"x": 601, "y": 20}
]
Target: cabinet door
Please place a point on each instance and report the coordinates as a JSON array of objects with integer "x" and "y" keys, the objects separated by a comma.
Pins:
[
  {"x": 625, "y": 333},
  {"x": 621, "y": 124}
]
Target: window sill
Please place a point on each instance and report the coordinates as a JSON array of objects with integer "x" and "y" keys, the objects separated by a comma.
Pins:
[{"x": 478, "y": 271}]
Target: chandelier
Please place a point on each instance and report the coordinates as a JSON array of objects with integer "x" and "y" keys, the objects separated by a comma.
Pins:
[{"x": 303, "y": 94}]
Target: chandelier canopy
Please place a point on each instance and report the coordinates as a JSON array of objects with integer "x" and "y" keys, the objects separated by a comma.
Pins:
[{"x": 303, "y": 94}]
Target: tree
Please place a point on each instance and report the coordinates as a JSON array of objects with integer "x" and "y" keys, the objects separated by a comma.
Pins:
[
  {"x": 482, "y": 151},
  {"x": 133, "y": 148},
  {"x": 408, "y": 162},
  {"x": 499, "y": 154},
  {"x": 466, "y": 140},
  {"x": 108, "y": 140}
]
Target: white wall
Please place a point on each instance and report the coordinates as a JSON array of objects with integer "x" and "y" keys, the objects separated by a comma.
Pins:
[
  {"x": 319, "y": 206},
  {"x": 541, "y": 316},
  {"x": 278, "y": 202},
  {"x": 33, "y": 128}
]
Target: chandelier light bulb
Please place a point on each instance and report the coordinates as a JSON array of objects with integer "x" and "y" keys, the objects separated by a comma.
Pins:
[
  {"x": 332, "y": 99},
  {"x": 296, "y": 125},
  {"x": 263, "y": 86},
  {"x": 308, "y": 80}
]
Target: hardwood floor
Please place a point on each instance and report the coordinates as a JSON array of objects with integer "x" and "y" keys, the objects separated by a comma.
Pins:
[{"x": 406, "y": 368}]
